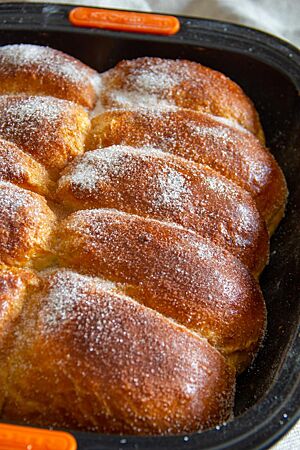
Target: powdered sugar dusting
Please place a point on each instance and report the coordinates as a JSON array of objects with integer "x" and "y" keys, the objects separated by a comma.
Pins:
[
  {"x": 96, "y": 82},
  {"x": 26, "y": 225},
  {"x": 10, "y": 167},
  {"x": 122, "y": 98},
  {"x": 65, "y": 290},
  {"x": 221, "y": 144},
  {"x": 68, "y": 296},
  {"x": 126, "y": 347},
  {"x": 173, "y": 189},
  {"x": 220, "y": 185},
  {"x": 50, "y": 129},
  {"x": 156, "y": 76},
  {"x": 103, "y": 165},
  {"x": 45, "y": 61},
  {"x": 12, "y": 199},
  {"x": 148, "y": 84},
  {"x": 157, "y": 79},
  {"x": 96, "y": 170},
  {"x": 26, "y": 120},
  {"x": 238, "y": 144},
  {"x": 213, "y": 132},
  {"x": 148, "y": 182},
  {"x": 96, "y": 167},
  {"x": 21, "y": 110},
  {"x": 174, "y": 266},
  {"x": 20, "y": 168}
]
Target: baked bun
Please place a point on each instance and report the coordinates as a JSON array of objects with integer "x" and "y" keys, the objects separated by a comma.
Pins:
[
  {"x": 26, "y": 227},
  {"x": 51, "y": 130},
  {"x": 15, "y": 286},
  {"x": 37, "y": 70},
  {"x": 173, "y": 271},
  {"x": 222, "y": 145},
  {"x": 154, "y": 184},
  {"x": 21, "y": 169},
  {"x": 157, "y": 82},
  {"x": 114, "y": 365}
]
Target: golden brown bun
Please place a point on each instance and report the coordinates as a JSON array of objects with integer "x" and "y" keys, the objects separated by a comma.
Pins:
[
  {"x": 53, "y": 131},
  {"x": 157, "y": 82},
  {"x": 37, "y": 70},
  {"x": 88, "y": 357},
  {"x": 154, "y": 184},
  {"x": 21, "y": 169},
  {"x": 173, "y": 271},
  {"x": 226, "y": 148},
  {"x": 15, "y": 284},
  {"x": 26, "y": 227}
]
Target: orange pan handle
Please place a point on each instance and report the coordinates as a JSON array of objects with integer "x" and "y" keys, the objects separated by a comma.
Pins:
[
  {"x": 13, "y": 437},
  {"x": 133, "y": 22}
]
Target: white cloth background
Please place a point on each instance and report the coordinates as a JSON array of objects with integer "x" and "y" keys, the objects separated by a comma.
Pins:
[{"x": 279, "y": 17}]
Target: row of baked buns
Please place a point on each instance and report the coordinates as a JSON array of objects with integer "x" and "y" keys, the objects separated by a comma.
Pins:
[{"x": 135, "y": 213}]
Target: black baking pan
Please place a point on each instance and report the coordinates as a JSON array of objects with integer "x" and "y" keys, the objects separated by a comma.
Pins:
[{"x": 268, "y": 69}]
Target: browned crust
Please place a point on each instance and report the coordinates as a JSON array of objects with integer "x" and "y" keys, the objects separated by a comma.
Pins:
[
  {"x": 51, "y": 130},
  {"x": 201, "y": 138},
  {"x": 182, "y": 83},
  {"x": 21, "y": 169},
  {"x": 128, "y": 369},
  {"x": 15, "y": 284},
  {"x": 170, "y": 270},
  {"x": 161, "y": 186},
  {"x": 26, "y": 227},
  {"x": 46, "y": 72}
]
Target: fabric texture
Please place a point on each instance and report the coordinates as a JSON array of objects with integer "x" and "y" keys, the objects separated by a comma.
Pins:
[{"x": 280, "y": 18}]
